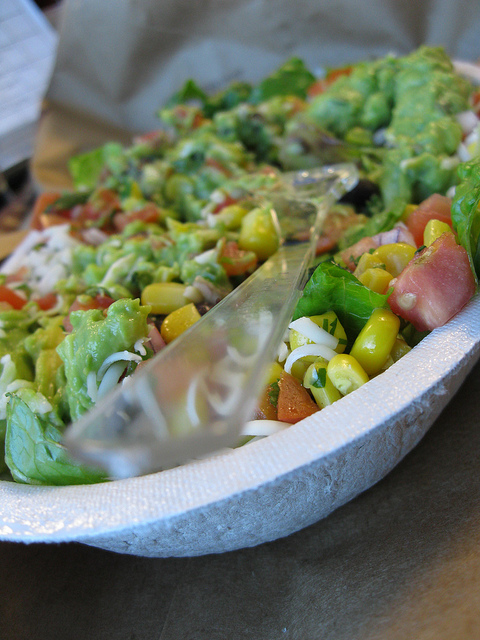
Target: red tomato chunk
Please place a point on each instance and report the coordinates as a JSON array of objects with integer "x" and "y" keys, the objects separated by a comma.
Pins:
[
  {"x": 434, "y": 286},
  {"x": 436, "y": 207}
]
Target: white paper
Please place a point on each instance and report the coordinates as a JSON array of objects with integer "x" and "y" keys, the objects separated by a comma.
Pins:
[{"x": 27, "y": 53}]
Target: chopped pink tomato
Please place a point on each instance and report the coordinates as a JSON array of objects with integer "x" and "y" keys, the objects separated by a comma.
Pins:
[
  {"x": 11, "y": 297},
  {"x": 150, "y": 213},
  {"x": 351, "y": 254},
  {"x": 236, "y": 261},
  {"x": 435, "y": 285},
  {"x": 226, "y": 202},
  {"x": 218, "y": 166},
  {"x": 399, "y": 233},
  {"x": 320, "y": 85},
  {"x": 265, "y": 409},
  {"x": 99, "y": 302},
  {"x": 98, "y": 211},
  {"x": 436, "y": 207},
  {"x": 40, "y": 219},
  {"x": 294, "y": 401},
  {"x": 47, "y": 301},
  {"x": 155, "y": 338}
]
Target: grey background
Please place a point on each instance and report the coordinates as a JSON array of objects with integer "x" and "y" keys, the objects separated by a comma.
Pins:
[{"x": 400, "y": 561}]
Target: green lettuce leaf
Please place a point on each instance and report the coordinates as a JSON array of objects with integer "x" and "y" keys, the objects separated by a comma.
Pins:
[
  {"x": 33, "y": 450},
  {"x": 336, "y": 289},
  {"x": 292, "y": 78},
  {"x": 465, "y": 211},
  {"x": 86, "y": 168}
]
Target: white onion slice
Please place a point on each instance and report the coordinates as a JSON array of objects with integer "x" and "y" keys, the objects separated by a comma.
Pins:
[
  {"x": 263, "y": 427},
  {"x": 282, "y": 352},
  {"x": 313, "y": 332},
  {"x": 467, "y": 120},
  {"x": 92, "y": 389},
  {"x": 319, "y": 350},
  {"x": 110, "y": 378},
  {"x": 125, "y": 356},
  {"x": 139, "y": 347}
]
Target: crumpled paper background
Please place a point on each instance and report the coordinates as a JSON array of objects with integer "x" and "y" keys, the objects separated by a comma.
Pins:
[{"x": 119, "y": 61}]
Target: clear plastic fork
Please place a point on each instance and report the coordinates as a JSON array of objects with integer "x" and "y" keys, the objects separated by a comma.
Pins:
[{"x": 194, "y": 396}]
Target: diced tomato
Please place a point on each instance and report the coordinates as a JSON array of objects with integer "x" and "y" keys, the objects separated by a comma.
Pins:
[
  {"x": 47, "y": 301},
  {"x": 11, "y": 297},
  {"x": 99, "y": 210},
  {"x": 476, "y": 101},
  {"x": 17, "y": 276},
  {"x": 149, "y": 214},
  {"x": 265, "y": 410},
  {"x": 215, "y": 164},
  {"x": 43, "y": 201},
  {"x": 228, "y": 200},
  {"x": 149, "y": 137},
  {"x": 434, "y": 286},
  {"x": 436, "y": 207},
  {"x": 294, "y": 401},
  {"x": 350, "y": 255},
  {"x": 99, "y": 302},
  {"x": 334, "y": 227},
  {"x": 155, "y": 338},
  {"x": 236, "y": 261},
  {"x": 320, "y": 85}
]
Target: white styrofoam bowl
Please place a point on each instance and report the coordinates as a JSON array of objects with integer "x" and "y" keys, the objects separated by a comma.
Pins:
[{"x": 269, "y": 488}]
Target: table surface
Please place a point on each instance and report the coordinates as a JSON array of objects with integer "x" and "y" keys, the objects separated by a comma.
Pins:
[{"x": 400, "y": 561}]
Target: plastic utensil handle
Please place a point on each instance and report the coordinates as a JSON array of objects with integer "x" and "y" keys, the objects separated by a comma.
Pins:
[{"x": 194, "y": 396}]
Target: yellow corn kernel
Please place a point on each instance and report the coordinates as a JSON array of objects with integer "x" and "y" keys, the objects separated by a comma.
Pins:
[
  {"x": 395, "y": 256},
  {"x": 273, "y": 373},
  {"x": 300, "y": 366},
  {"x": 177, "y": 185},
  {"x": 346, "y": 373},
  {"x": 320, "y": 385},
  {"x": 164, "y": 297},
  {"x": 433, "y": 230},
  {"x": 327, "y": 321},
  {"x": 367, "y": 261},
  {"x": 179, "y": 321},
  {"x": 258, "y": 233},
  {"x": 375, "y": 341},
  {"x": 376, "y": 279},
  {"x": 135, "y": 191},
  {"x": 231, "y": 216},
  {"x": 399, "y": 349}
]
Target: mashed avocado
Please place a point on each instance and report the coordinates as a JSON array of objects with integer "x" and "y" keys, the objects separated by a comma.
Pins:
[{"x": 412, "y": 101}]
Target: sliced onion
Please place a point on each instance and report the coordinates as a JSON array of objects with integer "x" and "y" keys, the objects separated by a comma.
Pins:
[
  {"x": 319, "y": 350},
  {"x": 263, "y": 427},
  {"x": 92, "y": 388},
  {"x": 193, "y": 294},
  {"x": 22, "y": 384},
  {"x": 125, "y": 356},
  {"x": 313, "y": 332},
  {"x": 467, "y": 120},
  {"x": 110, "y": 378},
  {"x": 282, "y": 352},
  {"x": 206, "y": 256},
  {"x": 139, "y": 347}
]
